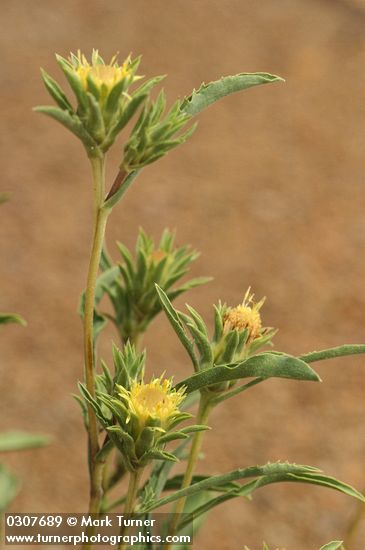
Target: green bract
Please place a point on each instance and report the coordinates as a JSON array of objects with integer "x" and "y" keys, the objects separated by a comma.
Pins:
[
  {"x": 155, "y": 133},
  {"x": 130, "y": 285},
  {"x": 139, "y": 419},
  {"x": 104, "y": 105}
]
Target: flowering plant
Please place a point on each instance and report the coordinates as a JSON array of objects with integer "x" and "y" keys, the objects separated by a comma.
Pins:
[{"x": 134, "y": 421}]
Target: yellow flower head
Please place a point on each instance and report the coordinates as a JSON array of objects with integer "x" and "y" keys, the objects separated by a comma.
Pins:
[
  {"x": 104, "y": 76},
  {"x": 157, "y": 400},
  {"x": 245, "y": 316}
]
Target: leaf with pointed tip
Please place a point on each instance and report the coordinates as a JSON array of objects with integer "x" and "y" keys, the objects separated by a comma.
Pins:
[
  {"x": 172, "y": 436},
  {"x": 74, "y": 80},
  {"x": 202, "y": 343},
  {"x": 176, "y": 325},
  {"x": 247, "y": 489},
  {"x": 71, "y": 122},
  {"x": 195, "y": 428},
  {"x": 334, "y": 545},
  {"x": 213, "y": 91},
  {"x": 270, "y": 469},
  {"x": 127, "y": 182},
  {"x": 263, "y": 365},
  {"x": 156, "y": 454},
  {"x": 326, "y": 481},
  {"x": 56, "y": 92}
]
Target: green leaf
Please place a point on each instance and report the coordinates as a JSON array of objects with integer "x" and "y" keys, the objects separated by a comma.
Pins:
[
  {"x": 277, "y": 468},
  {"x": 6, "y": 318},
  {"x": 331, "y": 353},
  {"x": 249, "y": 488},
  {"x": 74, "y": 81},
  {"x": 195, "y": 428},
  {"x": 212, "y": 92},
  {"x": 95, "y": 123},
  {"x": 326, "y": 481},
  {"x": 18, "y": 441},
  {"x": 56, "y": 92},
  {"x": 156, "y": 454},
  {"x": 263, "y": 365},
  {"x": 9, "y": 487},
  {"x": 172, "y": 436},
  {"x": 71, "y": 122},
  {"x": 126, "y": 115},
  {"x": 176, "y": 482},
  {"x": 176, "y": 325},
  {"x": 161, "y": 470},
  {"x": 334, "y": 545},
  {"x": 202, "y": 343},
  {"x": 112, "y": 201}
]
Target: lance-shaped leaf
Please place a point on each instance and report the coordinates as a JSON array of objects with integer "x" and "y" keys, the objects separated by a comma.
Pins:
[
  {"x": 71, "y": 122},
  {"x": 157, "y": 454},
  {"x": 56, "y": 92},
  {"x": 177, "y": 325},
  {"x": 212, "y": 92},
  {"x": 115, "y": 197},
  {"x": 176, "y": 482},
  {"x": 19, "y": 441},
  {"x": 263, "y": 365},
  {"x": 277, "y": 468},
  {"x": 246, "y": 490}
]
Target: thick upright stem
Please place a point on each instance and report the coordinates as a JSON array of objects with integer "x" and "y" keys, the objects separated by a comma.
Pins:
[
  {"x": 202, "y": 418},
  {"x": 100, "y": 219}
]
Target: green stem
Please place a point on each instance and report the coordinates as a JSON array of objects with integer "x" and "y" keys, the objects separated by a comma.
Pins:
[
  {"x": 100, "y": 218},
  {"x": 205, "y": 406},
  {"x": 134, "y": 480}
]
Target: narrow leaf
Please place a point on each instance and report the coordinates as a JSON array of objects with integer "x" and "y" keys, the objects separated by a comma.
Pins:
[
  {"x": 56, "y": 92},
  {"x": 71, "y": 122},
  {"x": 263, "y": 365},
  {"x": 176, "y": 324},
  {"x": 127, "y": 182},
  {"x": 212, "y": 92}
]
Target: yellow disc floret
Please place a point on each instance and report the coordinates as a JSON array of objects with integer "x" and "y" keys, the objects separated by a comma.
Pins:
[
  {"x": 157, "y": 400},
  {"x": 245, "y": 316},
  {"x": 104, "y": 75}
]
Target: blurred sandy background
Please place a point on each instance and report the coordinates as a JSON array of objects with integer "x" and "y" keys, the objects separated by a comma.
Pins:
[{"x": 270, "y": 189}]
